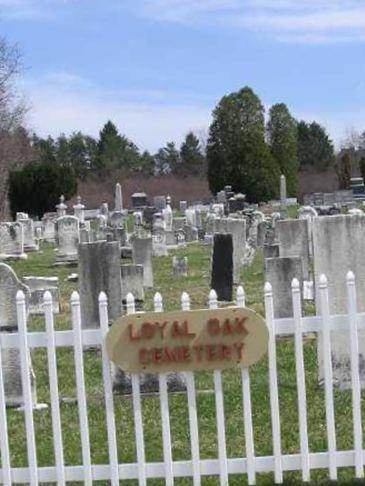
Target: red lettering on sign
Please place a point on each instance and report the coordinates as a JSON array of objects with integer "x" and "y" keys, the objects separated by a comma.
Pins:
[
  {"x": 143, "y": 356},
  {"x": 132, "y": 335},
  {"x": 239, "y": 349},
  {"x": 240, "y": 325},
  {"x": 213, "y": 327}
]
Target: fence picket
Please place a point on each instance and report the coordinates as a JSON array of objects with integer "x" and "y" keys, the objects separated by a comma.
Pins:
[
  {"x": 193, "y": 414},
  {"x": 302, "y": 394},
  {"x": 165, "y": 413},
  {"x": 4, "y": 440},
  {"x": 274, "y": 396},
  {"x": 328, "y": 376},
  {"x": 80, "y": 384},
  {"x": 355, "y": 376},
  {"x": 247, "y": 407},
  {"x": 137, "y": 411},
  {"x": 26, "y": 385},
  {"x": 54, "y": 393},
  {"x": 108, "y": 393},
  {"x": 219, "y": 403}
]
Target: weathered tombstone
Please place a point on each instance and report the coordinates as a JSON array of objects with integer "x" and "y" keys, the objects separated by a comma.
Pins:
[
  {"x": 28, "y": 232},
  {"x": 11, "y": 362},
  {"x": 38, "y": 286},
  {"x": 61, "y": 207},
  {"x": 99, "y": 271},
  {"x": 180, "y": 266},
  {"x": 183, "y": 206},
  {"x": 68, "y": 237},
  {"x": 118, "y": 200},
  {"x": 222, "y": 266},
  {"x": 142, "y": 255},
  {"x": 339, "y": 246},
  {"x": 181, "y": 238},
  {"x": 12, "y": 241},
  {"x": 117, "y": 219},
  {"x": 139, "y": 200},
  {"x": 293, "y": 238},
  {"x": 261, "y": 234},
  {"x": 221, "y": 197},
  {"x": 307, "y": 212},
  {"x": 218, "y": 210},
  {"x": 84, "y": 236},
  {"x": 104, "y": 209},
  {"x": 191, "y": 233},
  {"x": 170, "y": 238},
  {"x": 198, "y": 219},
  {"x": 283, "y": 194},
  {"x": 132, "y": 282},
  {"x": 159, "y": 202},
  {"x": 178, "y": 223},
  {"x": 79, "y": 210},
  {"x": 167, "y": 216},
  {"x": 190, "y": 217},
  {"x": 237, "y": 228},
  {"x": 280, "y": 273},
  {"x": 271, "y": 251},
  {"x": 49, "y": 229}
]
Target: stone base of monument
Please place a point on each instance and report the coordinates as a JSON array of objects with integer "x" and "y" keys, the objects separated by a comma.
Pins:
[
  {"x": 149, "y": 383},
  {"x": 69, "y": 260},
  {"x": 30, "y": 248},
  {"x": 19, "y": 256}
]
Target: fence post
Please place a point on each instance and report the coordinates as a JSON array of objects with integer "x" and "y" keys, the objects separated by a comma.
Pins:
[
  {"x": 219, "y": 403},
  {"x": 26, "y": 385},
  {"x": 80, "y": 384},
  {"x": 193, "y": 415},
  {"x": 274, "y": 397},
  {"x": 328, "y": 378},
  {"x": 53, "y": 383},
  {"x": 137, "y": 411},
  {"x": 355, "y": 377},
  {"x": 299, "y": 365},
  {"x": 247, "y": 407},
  {"x": 165, "y": 413},
  {"x": 4, "y": 438},
  {"x": 108, "y": 391}
]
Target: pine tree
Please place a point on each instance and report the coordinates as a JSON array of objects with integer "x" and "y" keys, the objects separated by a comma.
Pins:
[
  {"x": 344, "y": 171},
  {"x": 192, "y": 160},
  {"x": 237, "y": 153},
  {"x": 167, "y": 159},
  {"x": 282, "y": 140},
  {"x": 315, "y": 149}
]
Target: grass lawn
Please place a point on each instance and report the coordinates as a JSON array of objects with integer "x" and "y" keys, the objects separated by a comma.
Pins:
[{"x": 197, "y": 285}]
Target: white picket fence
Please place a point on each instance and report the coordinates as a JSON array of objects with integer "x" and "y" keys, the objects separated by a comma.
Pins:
[{"x": 195, "y": 468}]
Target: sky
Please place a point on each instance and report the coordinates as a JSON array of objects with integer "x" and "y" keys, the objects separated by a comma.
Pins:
[{"x": 157, "y": 68}]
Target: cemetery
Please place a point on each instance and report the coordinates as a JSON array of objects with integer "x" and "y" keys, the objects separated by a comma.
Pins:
[
  {"x": 269, "y": 388},
  {"x": 182, "y": 243}
]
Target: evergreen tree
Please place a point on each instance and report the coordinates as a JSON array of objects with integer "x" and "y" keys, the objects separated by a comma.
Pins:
[
  {"x": 237, "y": 153},
  {"x": 147, "y": 164},
  {"x": 115, "y": 151},
  {"x": 282, "y": 139},
  {"x": 167, "y": 159},
  {"x": 315, "y": 149},
  {"x": 46, "y": 148},
  {"x": 192, "y": 160},
  {"x": 344, "y": 171}
]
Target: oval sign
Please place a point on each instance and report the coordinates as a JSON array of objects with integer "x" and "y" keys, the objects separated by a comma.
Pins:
[{"x": 206, "y": 339}]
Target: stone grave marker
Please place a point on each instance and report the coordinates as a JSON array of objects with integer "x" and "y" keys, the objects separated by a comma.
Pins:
[
  {"x": 222, "y": 266},
  {"x": 38, "y": 286},
  {"x": 12, "y": 241},
  {"x": 68, "y": 237},
  {"x": 142, "y": 255}
]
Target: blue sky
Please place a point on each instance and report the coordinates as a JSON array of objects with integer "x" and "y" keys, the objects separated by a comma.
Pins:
[{"x": 158, "y": 67}]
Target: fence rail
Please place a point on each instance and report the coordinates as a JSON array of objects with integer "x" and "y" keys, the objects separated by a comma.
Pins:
[{"x": 195, "y": 468}]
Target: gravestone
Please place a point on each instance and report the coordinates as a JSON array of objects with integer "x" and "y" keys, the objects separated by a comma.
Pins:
[
  {"x": 159, "y": 202},
  {"x": 38, "y": 286},
  {"x": 283, "y": 194},
  {"x": 167, "y": 216},
  {"x": 222, "y": 266},
  {"x": 84, "y": 235},
  {"x": 180, "y": 266},
  {"x": 293, "y": 238},
  {"x": 61, "y": 207},
  {"x": 191, "y": 233},
  {"x": 190, "y": 217},
  {"x": 339, "y": 246},
  {"x": 28, "y": 232},
  {"x": 68, "y": 237},
  {"x": 178, "y": 223},
  {"x": 79, "y": 210},
  {"x": 142, "y": 255},
  {"x": 49, "y": 229},
  {"x": 132, "y": 282},
  {"x": 118, "y": 198},
  {"x": 117, "y": 220},
  {"x": 280, "y": 273},
  {"x": 261, "y": 234},
  {"x": 11, "y": 362},
  {"x": 139, "y": 199},
  {"x": 12, "y": 241},
  {"x": 271, "y": 251},
  {"x": 183, "y": 206},
  {"x": 99, "y": 271}
]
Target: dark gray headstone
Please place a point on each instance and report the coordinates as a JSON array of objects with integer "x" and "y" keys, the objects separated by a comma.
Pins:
[{"x": 222, "y": 266}]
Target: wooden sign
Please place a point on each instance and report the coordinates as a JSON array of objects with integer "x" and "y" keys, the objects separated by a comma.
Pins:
[{"x": 187, "y": 340}]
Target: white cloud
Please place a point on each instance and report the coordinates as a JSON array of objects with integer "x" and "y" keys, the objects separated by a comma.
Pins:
[{"x": 311, "y": 21}]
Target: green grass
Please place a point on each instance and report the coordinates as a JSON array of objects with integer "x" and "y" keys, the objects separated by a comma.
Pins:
[{"x": 197, "y": 285}]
